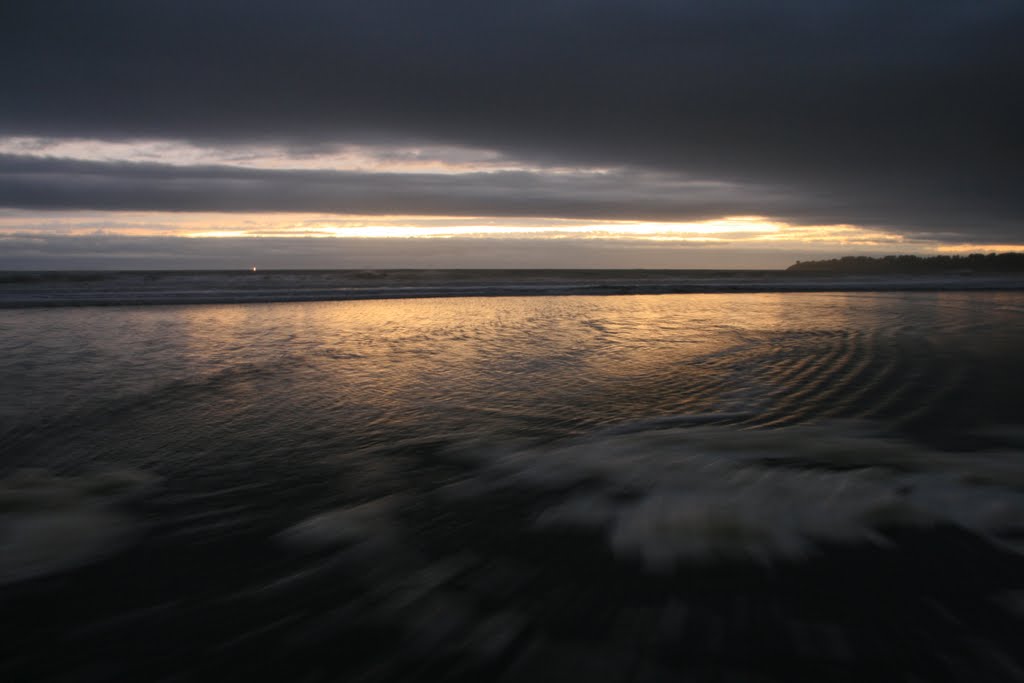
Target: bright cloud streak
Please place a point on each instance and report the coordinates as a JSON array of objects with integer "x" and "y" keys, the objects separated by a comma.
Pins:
[
  {"x": 379, "y": 158},
  {"x": 734, "y": 230},
  {"x": 741, "y": 225},
  {"x": 139, "y": 240}
]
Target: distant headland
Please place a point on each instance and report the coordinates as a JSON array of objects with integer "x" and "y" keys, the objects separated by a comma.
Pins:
[{"x": 1010, "y": 262}]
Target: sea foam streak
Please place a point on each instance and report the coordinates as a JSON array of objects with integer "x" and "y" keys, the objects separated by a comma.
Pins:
[
  {"x": 703, "y": 494},
  {"x": 50, "y": 524}
]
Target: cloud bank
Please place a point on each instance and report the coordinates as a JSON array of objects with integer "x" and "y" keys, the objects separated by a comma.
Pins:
[{"x": 892, "y": 114}]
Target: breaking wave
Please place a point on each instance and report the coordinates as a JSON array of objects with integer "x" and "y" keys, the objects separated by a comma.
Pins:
[{"x": 709, "y": 493}]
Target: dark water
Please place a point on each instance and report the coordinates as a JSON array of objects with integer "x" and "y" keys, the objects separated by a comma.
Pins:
[
  {"x": 722, "y": 487},
  {"x": 31, "y": 289}
]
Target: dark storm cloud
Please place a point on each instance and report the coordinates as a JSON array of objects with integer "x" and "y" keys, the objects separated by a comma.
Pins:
[
  {"x": 46, "y": 183},
  {"x": 42, "y": 183},
  {"x": 903, "y": 113},
  {"x": 121, "y": 252}
]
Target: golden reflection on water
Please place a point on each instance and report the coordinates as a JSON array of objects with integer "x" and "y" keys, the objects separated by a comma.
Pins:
[
  {"x": 545, "y": 365},
  {"x": 592, "y": 358},
  {"x": 380, "y": 359}
]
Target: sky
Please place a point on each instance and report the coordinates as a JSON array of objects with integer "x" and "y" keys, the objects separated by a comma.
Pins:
[{"x": 531, "y": 134}]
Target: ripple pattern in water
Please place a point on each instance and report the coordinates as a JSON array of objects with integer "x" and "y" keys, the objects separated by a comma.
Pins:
[{"x": 784, "y": 486}]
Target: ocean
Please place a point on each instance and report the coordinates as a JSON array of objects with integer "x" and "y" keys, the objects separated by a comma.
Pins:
[{"x": 510, "y": 476}]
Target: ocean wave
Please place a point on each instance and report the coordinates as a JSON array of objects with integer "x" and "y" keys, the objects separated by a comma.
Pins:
[
  {"x": 21, "y": 290},
  {"x": 708, "y": 493}
]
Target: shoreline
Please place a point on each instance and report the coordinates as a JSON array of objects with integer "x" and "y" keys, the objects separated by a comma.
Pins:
[{"x": 140, "y": 289}]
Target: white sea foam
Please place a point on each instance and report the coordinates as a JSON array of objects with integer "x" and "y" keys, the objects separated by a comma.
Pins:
[
  {"x": 50, "y": 524},
  {"x": 706, "y": 493}
]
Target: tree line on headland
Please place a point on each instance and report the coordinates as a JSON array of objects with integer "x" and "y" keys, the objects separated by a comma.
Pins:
[{"x": 1010, "y": 262}]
